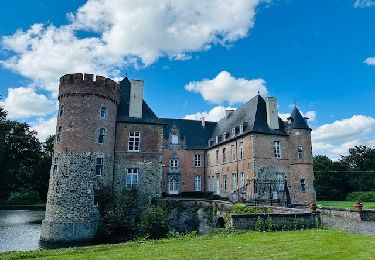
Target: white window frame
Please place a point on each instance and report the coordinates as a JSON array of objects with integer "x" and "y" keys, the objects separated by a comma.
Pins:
[
  {"x": 277, "y": 149},
  {"x": 224, "y": 153},
  {"x": 99, "y": 166},
  {"x": 300, "y": 152},
  {"x": 217, "y": 139},
  {"x": 241, "y": 151},
  {"x": 101, "y": 135},
  {"x": 225, "y": 136},
  {"x": 198, "y": 183},
  {"x": 225, "y": 182},
  {"x": 134, "y": 141},
  {"x": 174, "y": 139},
  {"x": 174, "y": 163},
  {"x": 103, "y": 112},
  {"x": 234, "y": 182},
  {"x": 232, "y": 153},
  {"x": 173, "y": 183},
  {"x": 233, "y": 131},
  {"x": 242, "y": 179},
  {"x": 241, "y": 128},
  {"x": 132, "y": 177},
  {"x": 198, "y": 160}
]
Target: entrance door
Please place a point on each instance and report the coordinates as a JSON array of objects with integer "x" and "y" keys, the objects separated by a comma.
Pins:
[
  {"x": 218, "y": 184},
  {"x": 173, "y": 186}
]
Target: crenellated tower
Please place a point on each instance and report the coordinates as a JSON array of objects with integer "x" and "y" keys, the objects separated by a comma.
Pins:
[{"x": 83, "y": 158}]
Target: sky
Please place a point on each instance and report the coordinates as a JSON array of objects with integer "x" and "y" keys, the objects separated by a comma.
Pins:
[{"x": 198, "y": 58}]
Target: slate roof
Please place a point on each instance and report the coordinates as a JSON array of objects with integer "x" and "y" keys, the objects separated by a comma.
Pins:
[
  {"x": 192, "y": 131},
  {"x": 297, "y": 120},
  {"x": 148, "y": 116},
  {"x": 253, "y": 116}
]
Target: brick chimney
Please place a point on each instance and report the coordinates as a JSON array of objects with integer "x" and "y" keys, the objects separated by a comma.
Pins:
[
  {"x": 136, "y": 98},
  {"x": 272, "y": 114}
]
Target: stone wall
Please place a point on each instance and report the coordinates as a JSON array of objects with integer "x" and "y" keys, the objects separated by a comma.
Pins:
[{"x": 364, "y": 215}]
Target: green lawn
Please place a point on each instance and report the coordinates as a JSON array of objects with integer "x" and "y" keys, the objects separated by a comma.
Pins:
[
  {"x": 306, "y": 244},
  {"x": 345, "y": 204}
]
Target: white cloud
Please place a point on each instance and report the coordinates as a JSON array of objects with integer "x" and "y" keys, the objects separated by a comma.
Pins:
[
  {"x": 363, "y": 3},
  {"x": 23, "y": 102},
  {"x": 44, "y": 127},
  {"x": 310, "y": 114},
  {"x": 215, "y": 114},
  {"x": 370, "y": 61},
  {"x": 336, "y": 138},
  {"x": 225, "y": 87}
]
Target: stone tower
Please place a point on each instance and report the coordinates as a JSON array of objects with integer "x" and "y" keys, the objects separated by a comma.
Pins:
[{"x": 83, "y": 159}]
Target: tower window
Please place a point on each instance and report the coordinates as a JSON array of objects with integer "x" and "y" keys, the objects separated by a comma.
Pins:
[
  {"x": 134, "y": 140},
  {"x": 58, "y": 134},
  {"x": 102, "y": 133},
  {"x": 132, "y": 177},
  {"x": 198, "y": 183},
  {"x": 61, "y": 111},
  {"x": 55, "y": 165},
  {"x": 197, "y": 160},
  {"x": 99, "y": 166},
  {"x": 277, "y": 149},
  {"x": 299, "y": 152},
  {"x": 103, "y": 112},
  {"x": 303, "y": 185}
]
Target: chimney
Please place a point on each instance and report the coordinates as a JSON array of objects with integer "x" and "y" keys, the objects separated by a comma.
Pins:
[
  {"x": 203, "y": 121},
  {"x": 136, "y": 98},
  {"x": 228, "y": 112},
  {"x": 272, "y": 114}
]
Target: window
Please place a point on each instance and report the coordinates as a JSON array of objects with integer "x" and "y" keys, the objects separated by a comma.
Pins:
[
  {"x": 216, "y": 139},
  {"x": 132, "y": 177},
  {"x": 280, "y": 182},
  {"x": 277, "y": 149},
  {"x": 58, "y": 134},
  {"x": 99, "y": 166},
  {"x": 224, "y": 155},
  {"x": 173, "y": 186},
  {"x": 174, "y": 139},
  {"x": 241, "y": 128},
  {"x": 232, "y": 153},
  {"x": 198, "y": 183},
  {"x": 103, "y": 112},
  {"x": 299, "y": 152},
  {"x": 102, "y": 133},
  {"x": 134, "y": 139},
  {"x": 55, "y": 165},
  {"x": 197, "y": 160},
  {"x": 225, "y": 182},
  {"x": 303, "y": 185},
  {"x": 208, "y": 159},
  {"x": 61, "y": 111},
  {"x": 242, "y": 180},
  {"x": 241, "y": 151},
  {"x": 217, "y": 157},
  {"x": 233, "y": 131},
  {"x": 96, "y": 200},
  {"x": 234, "y": 182},
  {"x": 173, "y": 163},
  {"x": 208, "y": 183},
  {"x": 224, "y": 136}
]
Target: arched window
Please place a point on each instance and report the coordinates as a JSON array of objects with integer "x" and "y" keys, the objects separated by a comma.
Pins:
[
  {"x": 173, "y": 186},
  {"x": 102, "y": 133},
  {"x": 61, "y": 111},
  {"x": 103, "y": 112}
]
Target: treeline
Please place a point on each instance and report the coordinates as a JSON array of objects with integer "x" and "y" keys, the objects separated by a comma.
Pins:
[
  {"x": 335, "y": 180},
  {"x": 24, "y": 163}
]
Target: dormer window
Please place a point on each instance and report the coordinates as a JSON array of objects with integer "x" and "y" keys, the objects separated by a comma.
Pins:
[
  {"x": 217, "y": 139},
  {"x": 241, "y": 128},
  {"x": 233, "y": 131},
  {"x": 174, "y": 139},
  {"x": 224, "y": 136}
]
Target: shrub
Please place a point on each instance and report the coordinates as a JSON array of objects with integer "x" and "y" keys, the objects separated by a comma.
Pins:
[
  {"x": 367, "y": 196},
  {"x": 240, "y": 208},
  {"x": 24, "y": 198},
  {"x": 154, "y": 222}
]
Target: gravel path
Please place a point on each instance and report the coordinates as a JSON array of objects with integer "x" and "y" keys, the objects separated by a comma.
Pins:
[{"x": 361, "y": 227}]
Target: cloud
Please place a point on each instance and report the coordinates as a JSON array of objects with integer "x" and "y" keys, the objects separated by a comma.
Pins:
[
  {"x": 44, "y": 127},
  {"x": 336, "y": 138},
  {"x": 23, "y": 102},
  {"x": 225, "y": 87},
  {"x": 363, "y": 3},
  {"x": 215, "y": 114},
  {"x": 310, "y": 114},
  {"x": 370, "y": 61}
]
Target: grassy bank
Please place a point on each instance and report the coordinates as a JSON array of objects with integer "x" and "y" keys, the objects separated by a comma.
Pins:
[
  {"x": 345, "y": 204},
  {"x": 306, "y": 244}
]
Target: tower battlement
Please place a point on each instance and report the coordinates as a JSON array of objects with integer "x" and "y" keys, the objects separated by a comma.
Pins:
[{"x": 78, "y": 83}]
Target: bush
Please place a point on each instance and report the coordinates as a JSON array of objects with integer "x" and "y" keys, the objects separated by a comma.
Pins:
[
  {"x": 240, "y": 208},
  {"x": 367, "y": 196},
  {"x": 24, "y": 198},
  {"x": 154, "y": 222}
]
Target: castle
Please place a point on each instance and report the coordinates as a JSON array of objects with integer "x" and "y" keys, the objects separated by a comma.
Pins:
[{"x": 108, "y": 137}]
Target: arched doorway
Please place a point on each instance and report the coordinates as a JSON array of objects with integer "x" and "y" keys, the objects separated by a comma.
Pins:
[{"x": 220, "y": 223}]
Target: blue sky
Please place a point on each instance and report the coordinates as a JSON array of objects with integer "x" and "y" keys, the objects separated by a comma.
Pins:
[{"x": 316, "y": 52}]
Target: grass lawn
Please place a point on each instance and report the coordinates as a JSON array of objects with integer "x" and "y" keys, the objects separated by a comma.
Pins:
[
  {"x": 345, "y": 204},
  {"x": 305, "y": 244}
]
